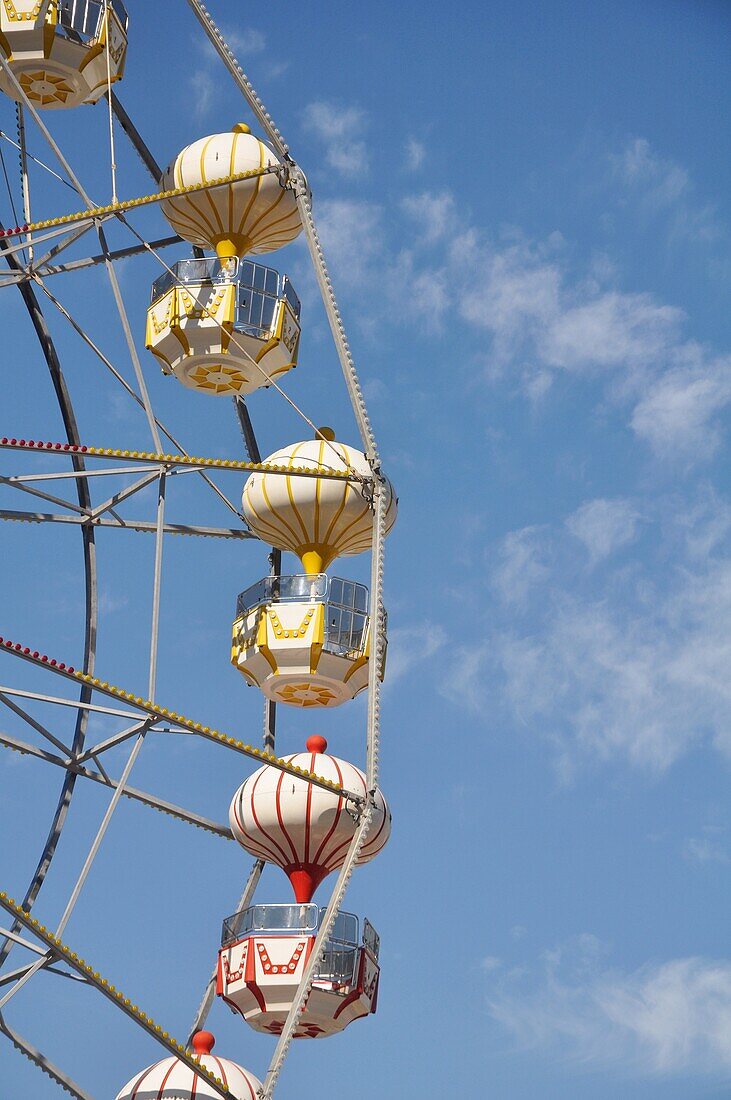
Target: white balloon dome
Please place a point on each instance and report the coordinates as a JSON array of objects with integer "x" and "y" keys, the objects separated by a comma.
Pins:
[
  {"x": 249, "y": 216},
  {"x": 319, "y": 519},
  {"x": 304, "y": 829},
  {"x": 171, "y": 1079}
]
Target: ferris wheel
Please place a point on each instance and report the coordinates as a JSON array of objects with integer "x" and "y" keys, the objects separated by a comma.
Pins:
[{"x": 223, "y": 325}]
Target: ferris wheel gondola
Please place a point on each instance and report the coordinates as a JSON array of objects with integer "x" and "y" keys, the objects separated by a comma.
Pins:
[{"x": 63, "y": 53}]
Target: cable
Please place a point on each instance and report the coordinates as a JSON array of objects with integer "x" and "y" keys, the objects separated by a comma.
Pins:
[
  {"x": 40, "y": 163},
  {"x": 112, "y": 155}
]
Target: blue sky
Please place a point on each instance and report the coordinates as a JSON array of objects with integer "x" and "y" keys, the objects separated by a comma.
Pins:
[{"x": 526, "y": 214}]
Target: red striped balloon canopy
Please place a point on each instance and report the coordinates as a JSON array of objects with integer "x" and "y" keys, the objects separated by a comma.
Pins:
[{"x": 301, "y": 828}]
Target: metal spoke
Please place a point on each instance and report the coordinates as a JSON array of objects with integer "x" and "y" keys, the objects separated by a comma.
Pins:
[
  {"x": 84, "y": 873},
  {"x": 115, "y": 996},
  {"x": 90, "y": 588},
  {"x": 114, "y": 741},
  {"x": 23, "y": 98},
  {"x": 209, "y": 994},
  {"x": 81, "y": 704},
  {"x": 132, "y": 347},
  {"x": 135, "y": 137},
  {"x": 35, "y": 725},
  {"x": 25, "y": 273},
  {"x": 43, "y": 1063},
  {"x": 64, "y": 475},
  {"x": 135, "y": 396},
  {"x": 126, "y": 493},
  {"x": 269, "y": 734},
  {"x": 126, "y": 524},
  {"x": 21, "y": 487},
  {"x": 132, "y": 793},
  {"x": 23, "y": 943},
  {"x": 44, "y": 268}
]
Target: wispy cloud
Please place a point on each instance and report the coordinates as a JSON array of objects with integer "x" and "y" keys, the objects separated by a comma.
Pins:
[
  {"x": 340, "y": 131},
  {"x": 645, "y": 683},
  {"x": 434, "y": 214},
  {"x": 409, "y": 646},
  {"x": 521, "y": 565},
  {"x": 246, "y": 43},
  {"x": 665, "y": 188},
  {"x": 632, "y": 667},
  {"x": 678, "y": 412},
  {"x": 604, "y": 526},
  {"x": 204, "y": 89},
  {"x": 415, "y": 154},
  {"x": 352, "y": 234},
  {"x": 709, "y": 847},
  {"x": 109, "y": 602},
  {"x": 638, "y": 165},
  {"x": 664, "y": 1018},
  {"x": 537, "y": 314}
]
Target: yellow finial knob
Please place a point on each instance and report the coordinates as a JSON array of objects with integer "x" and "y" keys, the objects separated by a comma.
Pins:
[
  {"x": 326, "y": 433},
  {"x": 241, "y": 128}
]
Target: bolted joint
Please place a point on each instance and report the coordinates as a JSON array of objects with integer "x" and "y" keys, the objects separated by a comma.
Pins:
[
  {"x": 354, "y": 809},
  {"x": 297, "y": 181},
  {"x": 367, "y": 490}
]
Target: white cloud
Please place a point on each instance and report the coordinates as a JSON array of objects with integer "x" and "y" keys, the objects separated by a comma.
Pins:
[
  {"x": 109, "y": 603},
  {"x": 244, "y": 42},
  {"x": 434, "y": 214},
  {"x": 604, "y": 526},
  {"x": 409, "y": 646},
  {"x": 708, "y": 848},
  {"x": 521, "y": 294},
  {"x": 464, "y": 682},
  {"x": 541, "y": 321},
  {"x": 670, "y": 1017},
  {"x": 630, "y": 665},
  {"x": 677, "y": 414},
  {"x": 513, "y": 293},
  {"x": 704, "y": 524},
  {"x": 664, "y": 187},
  {"x": 339, "y": 129},
  {"x": 521, "y": 565},
  {"x": 352, "y": 236},
  {"x": 415, "y": 153},
  {"x": 610, "y": 330},
  {"x": 427, "y": 298},
  {"x": 638, "y": 165},
  {"x": 537, "y": 316},
  {"x": 644, "y": 683},
  {"x": 204, "y": 88},
  {"x": 536, "y": 384}
]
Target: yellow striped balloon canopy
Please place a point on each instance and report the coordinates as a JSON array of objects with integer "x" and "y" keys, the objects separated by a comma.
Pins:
[
  {"x": 319, "y": 519},
  {"x": 248, "y": 216}
]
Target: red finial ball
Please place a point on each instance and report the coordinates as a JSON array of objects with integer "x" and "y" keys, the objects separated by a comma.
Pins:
[
  {"x": 316, "y": 743},
  {"x": 203, "y": 1042}
]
